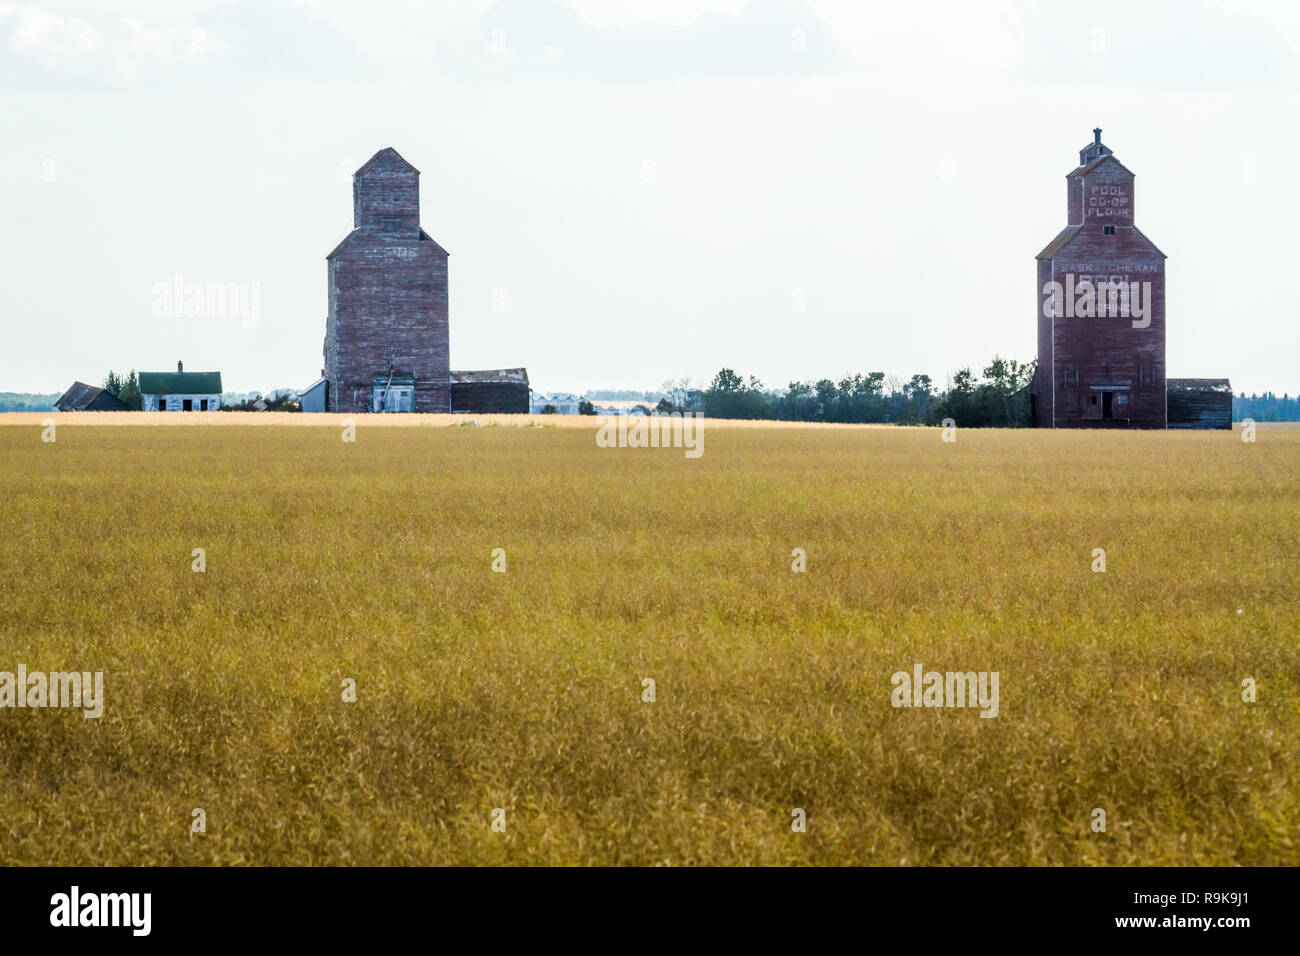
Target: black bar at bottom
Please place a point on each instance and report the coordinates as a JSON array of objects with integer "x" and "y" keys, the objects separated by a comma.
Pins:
[{"x": 332, "y": 906}]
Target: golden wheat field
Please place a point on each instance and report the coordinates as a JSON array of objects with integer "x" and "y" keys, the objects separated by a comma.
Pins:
[{"x": 523, "y": 691}]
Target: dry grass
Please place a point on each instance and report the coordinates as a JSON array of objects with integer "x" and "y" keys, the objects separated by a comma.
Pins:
[
  {"x": 423, "y": 420},
  {"x": 522, "y": 690}
]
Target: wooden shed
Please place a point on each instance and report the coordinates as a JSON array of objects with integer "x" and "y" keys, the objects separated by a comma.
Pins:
[
  {"x": 89, "y": 398},
  {"x": 1200, "y": 403},
  {"x": 502, "y": 390}
]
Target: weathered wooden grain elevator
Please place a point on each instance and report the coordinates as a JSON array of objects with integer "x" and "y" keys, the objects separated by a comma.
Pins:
[
  {"x": 386, "y": 335},
  {"x": 1100, "y": 288}
]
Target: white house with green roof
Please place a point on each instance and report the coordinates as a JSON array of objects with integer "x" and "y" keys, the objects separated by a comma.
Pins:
[{"x": 180, "y": 391}]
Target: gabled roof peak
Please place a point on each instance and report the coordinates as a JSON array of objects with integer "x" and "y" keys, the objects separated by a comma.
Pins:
[
  {"x": 1094, "y": 150},
  {"x": 1099, "y": 161},
  {"x": 388, "y": 157}
]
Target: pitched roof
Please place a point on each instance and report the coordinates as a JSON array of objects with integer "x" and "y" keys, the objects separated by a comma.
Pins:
[
  {"x": 1198, "y": 385},
  {"x": 77, "y": 395},
  {"x": 1066, "y": 236},
  {"x": 180, "y": 383},
  {"x": 424, "y": 237},
  {"x": 385, "y": 157},
  {"x": 1056, "y": 245},
  {"x": 500, "y": 376},
  {"x": 81, "y": 397},
  {"x": 1089, "y": 167},
  {"x": 339, "y": 248}
]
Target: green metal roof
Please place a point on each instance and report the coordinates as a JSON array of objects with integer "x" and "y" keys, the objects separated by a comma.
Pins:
[{"x": 180, "y": 383}]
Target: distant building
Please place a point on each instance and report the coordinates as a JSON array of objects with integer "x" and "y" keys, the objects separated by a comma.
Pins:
[
  {"x": 1200, "y": 403},
  {"x": 89, "y": 398},
  {"x": 565, "y": 403},
  {"x": 1100, "y": 290},
  {"x": 386, "y": 340},
  {"x": 387, "y": 332},
  {"x": 503, "y": 391},
  {"x": 1099, "y": 370},
  {"x": 313, "y": 396},
  {"x": 180, "y": 391}
]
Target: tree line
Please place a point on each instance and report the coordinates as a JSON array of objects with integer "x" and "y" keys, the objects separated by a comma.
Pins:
[
  {"x": 998, "y": 397},
  {"x": 1266, "y": 408}
]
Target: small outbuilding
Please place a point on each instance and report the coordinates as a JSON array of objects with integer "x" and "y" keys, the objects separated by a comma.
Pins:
[
  {"x": 501, "y": 391},
  {"x": 312, "y": 398},
  {"x": 89, "y": 398},
  {"x": 1199, "y": 402},
  {"x": 180, "y": 391}
]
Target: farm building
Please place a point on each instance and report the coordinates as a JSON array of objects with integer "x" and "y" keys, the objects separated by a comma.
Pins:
[
  {"x": 1093, "y": 369},
  {"x": 1100, "y": 286},
  {"x": 387, "y": 334},
  {"x": 180, "y": 391},
  {"x": 386, "y": 343},
  {"x": 1200, "y": 403},
  {"x": 313, "y": 396},
  {"x": 500, "y": 390},
  {"x": 565, "y": 403},
  {"x": 89, "y": 398}
]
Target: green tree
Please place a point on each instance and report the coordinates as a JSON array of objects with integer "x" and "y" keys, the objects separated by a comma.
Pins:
[
  {"x": 729, "y": 396},
  {"x": 1006, "y": 379},
  {"x": 918, "y": 392},
  {"x": 130, "y": 393}
]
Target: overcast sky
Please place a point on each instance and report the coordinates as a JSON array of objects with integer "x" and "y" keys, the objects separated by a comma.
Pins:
[{"x": 636, "y": 191}]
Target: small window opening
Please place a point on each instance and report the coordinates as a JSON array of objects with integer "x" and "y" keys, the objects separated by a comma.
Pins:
[{"x": 1108, "y": 230}]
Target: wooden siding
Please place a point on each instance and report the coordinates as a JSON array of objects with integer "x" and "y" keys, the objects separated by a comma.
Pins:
[
  {"x": 1200, "y": 403},
  {"x": 388, "y": 297},
  {"x": 1083, "y": 358},
  {"x": 488, "y": 397}
]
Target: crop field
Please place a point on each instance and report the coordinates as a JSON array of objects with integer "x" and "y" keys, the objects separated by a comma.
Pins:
[{"x": 520, "y": 696}]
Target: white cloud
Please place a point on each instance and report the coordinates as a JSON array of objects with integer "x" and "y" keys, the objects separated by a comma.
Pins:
[
  {"x": 66, "y": 44},
  {"x": 47, "y": 37},
  {"x": 170, "y": 44}
]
